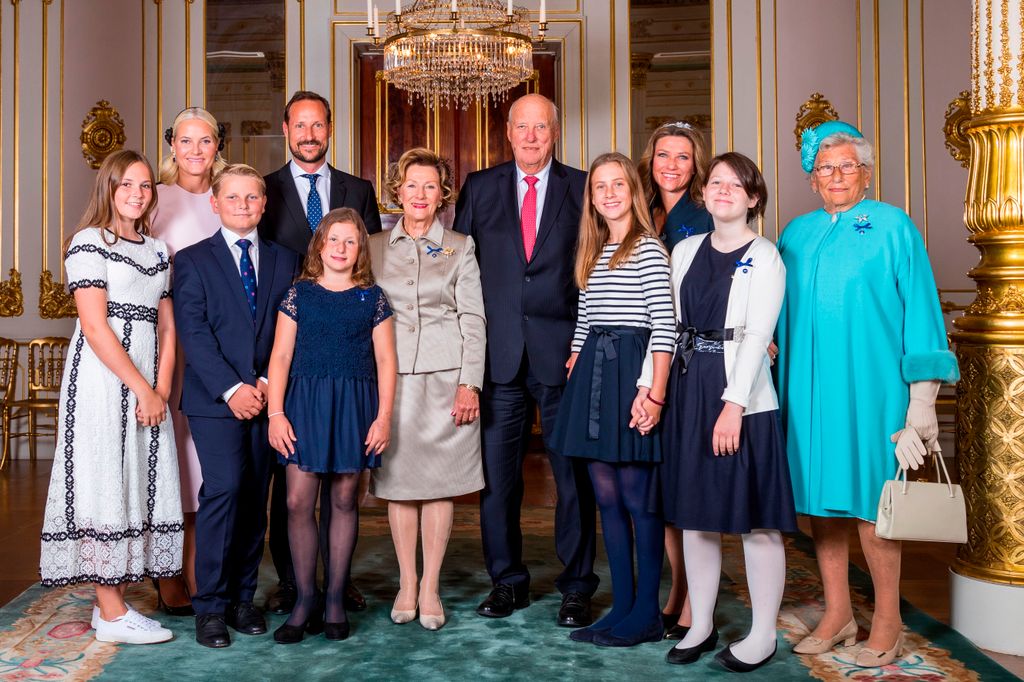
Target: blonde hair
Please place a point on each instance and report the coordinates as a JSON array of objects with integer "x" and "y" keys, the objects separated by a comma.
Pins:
[
  {"x": 313, "y": 264},
  {"x": 101, "y": 211},
  {"x": 594, "y": 232},
  {"x": 700, "y": 162},
  {"x": 420, "y": 156},
  {"x": 239, "y": 170},
  {"x": 169, "y": 166}
]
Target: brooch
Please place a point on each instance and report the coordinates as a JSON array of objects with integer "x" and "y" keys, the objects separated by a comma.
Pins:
[
  {"x": 686, "y": 231},
  {"x": 746, "y": 265},
  {"x": 434, "y": 251},
  {"x": 861, "y": 223}
]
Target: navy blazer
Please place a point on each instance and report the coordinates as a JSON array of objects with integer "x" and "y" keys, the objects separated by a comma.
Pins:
[
  {"x": 222, "y": 343},
  {"x": 284, "y": 220},
  {"x": 529, "y": 306}
]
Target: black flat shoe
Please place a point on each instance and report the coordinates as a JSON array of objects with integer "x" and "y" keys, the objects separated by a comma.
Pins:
[
  {"x": 651, "y": 633},
  {"x": 677, "y": 631},
  {"x": 211, "y": 631},
  {"x": 691, "y": 654},
  {"x": 246, "y": 619},
  {"x": 670, "y": 619},
  {"x": 283, "y": 600},
  {"x": 336, "y": 631},
  {"x": 289, "y": 634},
  {"x": 735, "y": 665},
  {"x": 502, "y": 601},
  {"x": 353, "y": 598},
  {"x": 185, "y": 610},
  {"x": 575, "y": 610},
  {"x": 585, "y": 634}
]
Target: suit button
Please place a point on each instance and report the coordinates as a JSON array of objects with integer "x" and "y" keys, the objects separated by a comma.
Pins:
[
  {"x": 409, "y": 306},
  {"x": 410, "y": 261},
  {"x": 412, "y": 328},
  {"x": 409, "y": 282},
  {"x": 526, "y": 318},
  {"x": 252, "y": 372},
  {"x": 527, "y": 278}
]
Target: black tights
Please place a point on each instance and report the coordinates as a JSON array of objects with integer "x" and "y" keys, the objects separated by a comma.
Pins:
[{"x": 303, "y": 539}]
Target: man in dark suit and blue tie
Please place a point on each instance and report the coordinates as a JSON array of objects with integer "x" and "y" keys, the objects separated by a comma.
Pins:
[
  {"x": 226, "y": 292},
  {"x": 524, "y": 217},
  {"x": 299, "y": 194}
]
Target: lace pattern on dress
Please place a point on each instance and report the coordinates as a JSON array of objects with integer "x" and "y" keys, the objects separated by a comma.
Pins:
[
  {"x": 383, "y": 309},
  {"x": 288, "y": 306}
]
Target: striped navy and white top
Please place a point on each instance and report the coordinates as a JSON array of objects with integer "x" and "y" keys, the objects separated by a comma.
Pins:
[{"x": 638, "y": 293}]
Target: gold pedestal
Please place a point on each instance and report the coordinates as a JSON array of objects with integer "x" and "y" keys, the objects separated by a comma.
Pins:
[{"x": 990, "y": 347}]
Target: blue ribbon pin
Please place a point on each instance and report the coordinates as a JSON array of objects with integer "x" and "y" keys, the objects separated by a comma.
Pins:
[
  {"x": 433, "y": 251},
  {"x": 746, "y": 265},
  {"x": 862, "y": 224}
]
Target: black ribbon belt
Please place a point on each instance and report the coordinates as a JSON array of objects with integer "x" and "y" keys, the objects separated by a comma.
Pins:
[
  {"x": 687, "y": 339},
  {"x": 605, "y": 338}
]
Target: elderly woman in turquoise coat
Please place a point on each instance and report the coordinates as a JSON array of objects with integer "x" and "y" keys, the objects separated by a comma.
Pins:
[{"x": 863, "y": 352}]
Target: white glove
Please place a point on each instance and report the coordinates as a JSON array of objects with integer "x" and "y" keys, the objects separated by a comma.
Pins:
[
  {"x": 910, "y": 451},
  {"x": 921, "y": 412}
]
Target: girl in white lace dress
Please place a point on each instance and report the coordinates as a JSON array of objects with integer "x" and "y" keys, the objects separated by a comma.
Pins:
[{"x": 113, "y": 512}]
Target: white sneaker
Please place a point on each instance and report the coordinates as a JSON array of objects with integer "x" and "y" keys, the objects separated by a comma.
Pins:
[
  {"x": 131, "y": 628},
  {"x": 96, "y": 614}
]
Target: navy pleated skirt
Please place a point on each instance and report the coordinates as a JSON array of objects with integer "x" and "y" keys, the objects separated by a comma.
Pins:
[
  {"x": 593, "y": 416},
  {"x": 331, "y": 417}
]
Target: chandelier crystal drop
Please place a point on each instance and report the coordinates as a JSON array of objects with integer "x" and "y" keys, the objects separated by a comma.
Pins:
[{"x": 443, "y": 57}]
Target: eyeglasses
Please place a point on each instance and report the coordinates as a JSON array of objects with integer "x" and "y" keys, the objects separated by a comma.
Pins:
[{"x": 846, "y": 168}]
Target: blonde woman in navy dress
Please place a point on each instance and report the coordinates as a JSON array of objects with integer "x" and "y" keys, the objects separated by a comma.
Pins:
[
  {"x": 725, "y": 468},
  {"x": 625, "y": 316}
]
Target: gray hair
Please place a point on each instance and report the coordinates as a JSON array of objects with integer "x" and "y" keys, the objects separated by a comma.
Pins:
[
  {"x": 555, "y": 120},
  {"x": 865, "y": 153}
]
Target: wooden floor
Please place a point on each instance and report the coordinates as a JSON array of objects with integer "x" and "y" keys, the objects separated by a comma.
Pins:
[{"x": 23, "y": 486}]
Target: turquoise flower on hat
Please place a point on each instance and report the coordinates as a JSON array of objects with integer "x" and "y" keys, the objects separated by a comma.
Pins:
[{"x": 811, "y": 139}]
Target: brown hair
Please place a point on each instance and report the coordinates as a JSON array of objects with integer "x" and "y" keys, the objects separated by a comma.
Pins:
[
  {"x": 239, "y": 170},
  {"x": 313, "y": 264},
  {"x": 420, "y": 156},
  {"x": 700, "y": 160},
  {"x": 749, "y": 176},
  {"x": 307, "y": 96},
  {"x": 594, "y": 230},
  {"x": 100, "y": 211}
]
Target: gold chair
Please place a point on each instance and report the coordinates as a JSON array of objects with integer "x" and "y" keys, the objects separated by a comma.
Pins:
[
  {"x": 8, "y": 383},
  {"x": 45, "y": 363}
]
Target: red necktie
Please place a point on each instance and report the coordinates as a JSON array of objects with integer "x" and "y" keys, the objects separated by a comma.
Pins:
[{"x": 528, "y": 216}]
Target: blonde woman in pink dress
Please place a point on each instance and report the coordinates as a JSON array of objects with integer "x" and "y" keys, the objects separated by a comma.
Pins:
[{"x": 185, "y": 217}]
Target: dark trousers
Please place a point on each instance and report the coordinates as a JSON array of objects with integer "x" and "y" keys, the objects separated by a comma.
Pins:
[
  {"x": 232, "y": 518},
  {"x": 507, "y": 415}
]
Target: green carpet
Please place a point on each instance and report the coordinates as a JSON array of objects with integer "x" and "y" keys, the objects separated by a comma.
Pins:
[{"x": 44, "y": 634}]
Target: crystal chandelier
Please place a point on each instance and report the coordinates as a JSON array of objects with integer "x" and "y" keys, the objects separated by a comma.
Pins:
[{"x": 456, "y": 51}]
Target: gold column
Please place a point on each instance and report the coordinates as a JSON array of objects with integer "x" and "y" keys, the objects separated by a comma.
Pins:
[{"x": 990, "y": 335}]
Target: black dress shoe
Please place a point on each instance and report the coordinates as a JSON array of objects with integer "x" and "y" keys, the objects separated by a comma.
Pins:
[
  {"x": 575, "y": 610},
  {"x": 211, "y": 631},
  {"x": 502, "y": 601},
  {"x": 336, "y": 631},
  {"x": 283, "y": 601},
  {"x": 677, "y": 631},
  {"x": 652, "y": 633},
  {"x": 734, "y": 664},
  {"x": 246, "y": 618},
  {"x": 353, "y": 598},
  {"x": 691, "y": 654},
  {"x": 289, "y": 634},
  {"x": 669, "y": 619}
]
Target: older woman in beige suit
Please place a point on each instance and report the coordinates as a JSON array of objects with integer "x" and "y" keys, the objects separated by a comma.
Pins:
[{"x": 431, "y": 277}]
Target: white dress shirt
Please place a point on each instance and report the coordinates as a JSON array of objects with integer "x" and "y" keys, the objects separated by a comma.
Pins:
[
  {"x": 236, "y": 254},
  {"x": 323, "y": 185},
  {"x": 541, "y": 186}
]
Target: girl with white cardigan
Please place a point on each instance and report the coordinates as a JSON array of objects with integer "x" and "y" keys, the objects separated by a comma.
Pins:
[{"x": 725, "y": 468}]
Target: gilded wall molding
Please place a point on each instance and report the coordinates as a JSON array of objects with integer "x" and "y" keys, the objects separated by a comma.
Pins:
[
  {"x": 958, "y": 115},
  {"x": 12, "y": 302},
  {"x": 102, "y": 133},
  {"x": 814, "y": 111},
  {"x": 55, "y": 302}
]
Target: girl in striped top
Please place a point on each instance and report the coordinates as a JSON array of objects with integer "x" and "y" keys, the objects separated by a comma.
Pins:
[{"x": 625, "y": 317}]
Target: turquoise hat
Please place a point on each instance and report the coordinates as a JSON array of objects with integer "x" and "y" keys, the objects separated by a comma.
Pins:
[{"x": 812, "y": 137}]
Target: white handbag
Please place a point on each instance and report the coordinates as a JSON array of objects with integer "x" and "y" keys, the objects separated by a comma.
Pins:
[{"x": 921, "y": 510}]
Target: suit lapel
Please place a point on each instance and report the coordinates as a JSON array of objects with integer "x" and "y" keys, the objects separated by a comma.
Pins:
[
  {"x": 509, "y": 194},
  {"x": 291, "y": 196},
  {"x": 267, "y": 268},
  {"x": 558, "y": 187},
  {"x": 224, "y": 259},
  {"x": 338, "y": 189}
]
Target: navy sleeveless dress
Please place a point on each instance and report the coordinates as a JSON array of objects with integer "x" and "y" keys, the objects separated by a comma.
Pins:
[
  {"x": 331, "y": 399},
  {"x": 699, "y": 491}
]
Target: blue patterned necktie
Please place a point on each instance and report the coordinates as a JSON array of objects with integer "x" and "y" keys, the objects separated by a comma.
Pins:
[
  {"x": 314, "y": 209},
  {"x": 248, "y": 273}
]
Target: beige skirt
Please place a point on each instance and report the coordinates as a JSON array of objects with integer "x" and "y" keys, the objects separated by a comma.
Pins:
[{"x": 429, "y": 457}]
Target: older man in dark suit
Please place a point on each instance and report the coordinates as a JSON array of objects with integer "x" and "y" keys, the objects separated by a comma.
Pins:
[
  {"x": 298, "y": 196},
  {"x": 524, "y": 217}
]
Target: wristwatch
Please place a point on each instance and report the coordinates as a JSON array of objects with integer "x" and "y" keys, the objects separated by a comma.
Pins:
[{"x": 475, "y": 389}]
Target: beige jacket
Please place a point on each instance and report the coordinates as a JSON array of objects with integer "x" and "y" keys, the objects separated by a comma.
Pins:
[{"x": 433, "y": 285}]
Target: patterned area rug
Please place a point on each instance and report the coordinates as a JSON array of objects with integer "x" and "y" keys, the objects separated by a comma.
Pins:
[{"x": 45, "y": 635}]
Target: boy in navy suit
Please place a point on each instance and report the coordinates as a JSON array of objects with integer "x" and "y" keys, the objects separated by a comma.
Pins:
[{"x": 226, "y": 292}]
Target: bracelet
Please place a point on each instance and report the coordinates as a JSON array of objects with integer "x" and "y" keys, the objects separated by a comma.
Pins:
[
  {"x": 475, "y": 389},
  {"x": 274, "y": 414},
  {"x": 659, "y": 403}
]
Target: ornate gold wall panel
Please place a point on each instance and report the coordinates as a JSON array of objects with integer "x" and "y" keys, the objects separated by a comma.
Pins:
[
  {"x": 958, "y": 115},
  {"x": 814, "y": 111},
  {"x": 102, "y": 133},
  {"x": 55, "y": 302},
  {"x": 12, "y": 303}
]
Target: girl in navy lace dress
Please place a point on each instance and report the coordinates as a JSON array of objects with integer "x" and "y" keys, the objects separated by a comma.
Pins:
[{"x": 332, "y": 387}]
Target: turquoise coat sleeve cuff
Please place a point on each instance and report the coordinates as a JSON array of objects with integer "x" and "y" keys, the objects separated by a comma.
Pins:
[{"x": 938, "y": 365}]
